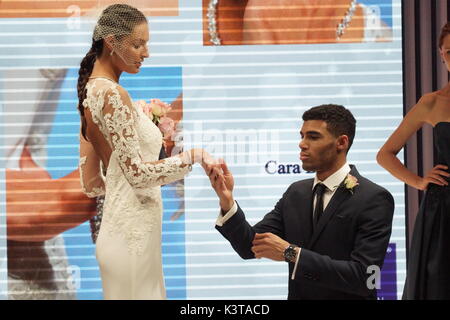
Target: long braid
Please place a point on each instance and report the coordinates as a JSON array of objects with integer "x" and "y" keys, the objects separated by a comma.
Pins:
[{"x": 86, "y": 66}]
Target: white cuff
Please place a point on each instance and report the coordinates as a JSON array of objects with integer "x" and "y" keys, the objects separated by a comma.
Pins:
[
  {"x": 222, "y": 219},
  {"x": 296, "y": 264}
]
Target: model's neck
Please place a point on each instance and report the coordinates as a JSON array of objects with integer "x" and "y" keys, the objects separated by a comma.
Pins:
[
  {"x": 104, "y": 68},
  {"x": 445, "y": 90},
  {"x": 324, "y": 174}
]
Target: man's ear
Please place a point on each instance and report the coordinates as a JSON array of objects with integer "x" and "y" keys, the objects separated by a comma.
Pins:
[{"x": 343, "y": 143}]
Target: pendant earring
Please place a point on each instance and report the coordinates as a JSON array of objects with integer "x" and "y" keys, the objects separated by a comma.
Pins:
[{"x": 112, "y": 52}]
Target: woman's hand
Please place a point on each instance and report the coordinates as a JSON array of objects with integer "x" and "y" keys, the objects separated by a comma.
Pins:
[
  {"x": 197, "y": 156},
  {"x": 436, "y": 176}
]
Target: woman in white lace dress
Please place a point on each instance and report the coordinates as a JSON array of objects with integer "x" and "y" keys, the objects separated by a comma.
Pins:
[{"x": 119, "y": 149}]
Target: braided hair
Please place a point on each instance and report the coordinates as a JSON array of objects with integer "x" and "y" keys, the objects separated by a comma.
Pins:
[
  {"x": 118, "y": 20},
  {"x": 86, "y": 66}
]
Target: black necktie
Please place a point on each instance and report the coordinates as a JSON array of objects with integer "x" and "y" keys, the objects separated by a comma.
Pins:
[{"x": 319, "y": 190}]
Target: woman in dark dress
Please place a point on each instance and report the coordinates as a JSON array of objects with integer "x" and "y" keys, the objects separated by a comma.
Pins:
[{"x": 428, "y": 274}]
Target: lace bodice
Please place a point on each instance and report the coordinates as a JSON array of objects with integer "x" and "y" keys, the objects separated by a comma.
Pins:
[
  {"x": 113, "y": 112},
  {"x": 133, "y": 176}
]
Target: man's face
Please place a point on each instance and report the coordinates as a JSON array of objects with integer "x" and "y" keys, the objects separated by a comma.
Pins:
[{"x": 319, "y": 148}]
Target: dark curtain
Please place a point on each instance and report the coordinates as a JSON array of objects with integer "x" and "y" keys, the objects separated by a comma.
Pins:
[{"x": 423, "y": 73}]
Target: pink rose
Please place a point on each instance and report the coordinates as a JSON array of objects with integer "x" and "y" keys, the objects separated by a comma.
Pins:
[
  {"x": 148, "y": 111},
  {"x": 160, "y": 109},
  {"x": 140, "y": 104},
  {"x": 146, "y": 108},
  {"x": 167, "y": 127}
]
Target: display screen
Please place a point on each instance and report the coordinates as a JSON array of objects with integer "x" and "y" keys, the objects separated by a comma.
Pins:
[{"x": 241, "y": 74}]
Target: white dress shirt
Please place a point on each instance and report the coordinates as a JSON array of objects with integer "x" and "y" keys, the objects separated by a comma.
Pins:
[{"x": 331, "y": 183}]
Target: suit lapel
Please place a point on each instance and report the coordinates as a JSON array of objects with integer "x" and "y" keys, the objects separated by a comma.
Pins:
[
  {"x": 341, "y": 195},
  {"x": 305, "y": 206}
]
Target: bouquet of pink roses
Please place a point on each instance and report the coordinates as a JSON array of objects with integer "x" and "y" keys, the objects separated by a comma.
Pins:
[{"x": 157, "y": 111}]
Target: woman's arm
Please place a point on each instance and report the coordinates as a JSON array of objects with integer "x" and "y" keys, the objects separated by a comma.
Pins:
[
  {"x": 120, "y": 122},
  {"x": 387, "y": 156}
]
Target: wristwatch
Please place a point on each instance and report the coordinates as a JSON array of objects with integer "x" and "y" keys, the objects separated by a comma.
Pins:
[{"x": 290, "y": 254}]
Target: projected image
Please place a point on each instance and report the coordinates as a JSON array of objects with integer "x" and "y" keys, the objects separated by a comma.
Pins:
[
  {"x": 240, "y": 103},
  {"x": 252, "y": 22},
  {"x": 50, "y": 250},
  {"x": 70, "y": 8},
  {"x": 51, "y": 224}
]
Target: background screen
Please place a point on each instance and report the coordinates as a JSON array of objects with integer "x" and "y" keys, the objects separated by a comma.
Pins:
[{"x": 241, "y": 101}]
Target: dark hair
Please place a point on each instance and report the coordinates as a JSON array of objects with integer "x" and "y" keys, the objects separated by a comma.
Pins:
[
  {"x": 340, "y": 121},
  {"x": 444, "y": 32},
  {"x": 120, "y": 20}
]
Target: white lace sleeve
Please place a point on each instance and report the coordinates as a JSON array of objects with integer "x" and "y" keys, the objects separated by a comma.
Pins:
[
  {"x": 92, "y": 182},
  {"x": 119, "y": 117}
]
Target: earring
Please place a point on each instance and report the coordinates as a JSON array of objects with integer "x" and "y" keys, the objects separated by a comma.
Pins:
[{"x": 112, "y": 52}]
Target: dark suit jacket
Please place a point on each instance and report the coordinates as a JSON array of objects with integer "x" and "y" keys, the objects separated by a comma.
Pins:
[{"x": 352, "y": 234}]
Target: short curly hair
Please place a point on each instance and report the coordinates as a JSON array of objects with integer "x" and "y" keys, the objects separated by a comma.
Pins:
[{"x": 340, "y": 121}]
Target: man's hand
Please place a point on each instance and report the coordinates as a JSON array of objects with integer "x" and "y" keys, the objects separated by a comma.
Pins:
[
  {"x": 270, "y": 246},
  {"x": 222, "y": 182}
]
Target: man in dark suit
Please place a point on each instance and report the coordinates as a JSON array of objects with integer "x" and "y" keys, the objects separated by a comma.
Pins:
[{"x": 332, "y": 230}]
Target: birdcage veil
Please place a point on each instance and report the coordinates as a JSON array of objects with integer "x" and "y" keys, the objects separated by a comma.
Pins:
[{"x": 118, "y": 22}]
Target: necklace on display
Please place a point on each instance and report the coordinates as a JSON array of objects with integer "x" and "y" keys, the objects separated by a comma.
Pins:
[
  {"x": 341, "y": 27},
  {"x": 214, "y": 33}
]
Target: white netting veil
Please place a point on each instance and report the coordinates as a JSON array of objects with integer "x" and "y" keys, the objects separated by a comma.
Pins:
[
  {"x": 119, "y": 30},
  {"x": 123, "y": 26}
]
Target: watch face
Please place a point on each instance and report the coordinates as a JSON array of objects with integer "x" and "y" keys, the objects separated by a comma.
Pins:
[{"x": 290, "y": 254}]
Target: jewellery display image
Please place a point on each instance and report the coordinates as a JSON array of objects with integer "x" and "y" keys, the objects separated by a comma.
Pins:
[{"x": 230, "y": 22}]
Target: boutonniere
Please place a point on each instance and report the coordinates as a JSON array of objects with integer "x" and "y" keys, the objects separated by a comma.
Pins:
[
  {"x": 350, "y": 183},
  {"x": 157, "y": 112}
]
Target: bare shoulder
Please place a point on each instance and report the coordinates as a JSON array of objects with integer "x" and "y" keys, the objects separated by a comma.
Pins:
[
  {"x": 430, "y": 108},
  {"x": 427, "y": 101},
  {"x": 424, "y": 107}
]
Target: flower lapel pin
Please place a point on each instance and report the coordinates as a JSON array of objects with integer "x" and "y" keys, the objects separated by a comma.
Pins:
[{"x": 350, "y": 183}]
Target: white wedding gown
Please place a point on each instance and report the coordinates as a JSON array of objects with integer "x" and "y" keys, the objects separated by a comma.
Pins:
[{"x": 129, "y": 242}]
